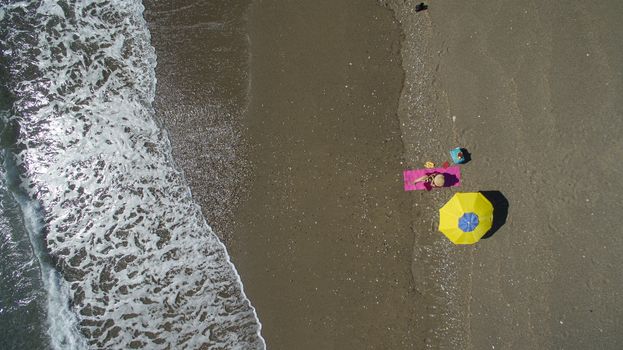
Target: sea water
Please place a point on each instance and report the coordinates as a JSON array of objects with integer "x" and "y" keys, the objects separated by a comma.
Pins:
[
  {"x": 102, "y": 243},
  {"x": 22, "y": 298}
]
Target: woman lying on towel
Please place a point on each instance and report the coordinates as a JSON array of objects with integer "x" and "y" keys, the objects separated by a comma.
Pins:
[{"x": 434, "y": 180}]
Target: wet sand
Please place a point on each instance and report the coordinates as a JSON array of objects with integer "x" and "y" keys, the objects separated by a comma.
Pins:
[
  {"x": 201, "y": 97},
  {"x": 323, "y": 243}
]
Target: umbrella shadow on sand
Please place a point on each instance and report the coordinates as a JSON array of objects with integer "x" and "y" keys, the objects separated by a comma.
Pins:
[{"x": 500, "y": 210}]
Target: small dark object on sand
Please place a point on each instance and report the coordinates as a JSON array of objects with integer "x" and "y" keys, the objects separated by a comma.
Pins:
[{"x": 420, "y": 7}]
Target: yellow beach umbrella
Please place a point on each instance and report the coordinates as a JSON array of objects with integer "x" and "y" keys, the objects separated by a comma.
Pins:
[{"x": 466, "y": 217}]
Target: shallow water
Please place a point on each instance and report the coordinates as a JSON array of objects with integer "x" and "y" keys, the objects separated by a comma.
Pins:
[{"x": 22, "y": 297}]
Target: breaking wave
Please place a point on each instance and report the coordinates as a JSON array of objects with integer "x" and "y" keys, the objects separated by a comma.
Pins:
[{"x": 127, "y": 258}]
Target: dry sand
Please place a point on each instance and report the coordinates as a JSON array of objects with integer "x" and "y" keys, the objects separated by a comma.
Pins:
[{"x": 535, "y": 89}]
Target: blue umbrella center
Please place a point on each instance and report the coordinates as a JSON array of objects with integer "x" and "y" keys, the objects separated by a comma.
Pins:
[{"x": 468, "y": 222}]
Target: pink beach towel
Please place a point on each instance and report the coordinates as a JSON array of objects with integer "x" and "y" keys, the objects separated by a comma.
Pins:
[{"x": 452, "y": 176}]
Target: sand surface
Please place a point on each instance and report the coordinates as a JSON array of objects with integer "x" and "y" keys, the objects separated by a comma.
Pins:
[
  {"x": 333, "y": 254},
  {"x": 323, "y": 244},
  {"x": 201, "y": 97},
  {"x": 533, "y": 90}
]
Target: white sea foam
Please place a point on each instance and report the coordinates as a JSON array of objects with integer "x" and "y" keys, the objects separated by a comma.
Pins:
[
  {"x": 63, "y": 325},
  {"x": 136, "y": 265}
]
